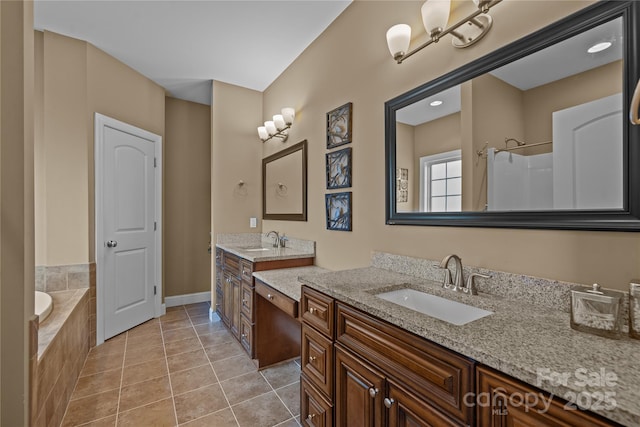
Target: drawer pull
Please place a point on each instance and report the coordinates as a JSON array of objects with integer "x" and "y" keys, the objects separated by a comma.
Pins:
[
  {"x": 270, "y": 296},
  {"x": 244, "y": 301},
  {"x": 373, "y": 392},
  {"x": 388, "y": 402},
  {"x": 244, "y": 335},
  {"x": 311, "y": 416},
  {"x": 312, "y": 310},
  {"x": 312, "y": 359}
]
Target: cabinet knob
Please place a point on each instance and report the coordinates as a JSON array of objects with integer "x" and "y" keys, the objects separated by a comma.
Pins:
[
  {"x": 244, "y": 301},
  {"x": 244, "y": 335},
  {"x": 312, "y": 310},
  {"x": 269, "y": 296},
  {"x": 244, "y": 273},
  {"x": 311, "y": 416},
  {"x": 312, "y": 359},
  {"x": 388, "y": 402},
  {"x": 373, "y": 392}
]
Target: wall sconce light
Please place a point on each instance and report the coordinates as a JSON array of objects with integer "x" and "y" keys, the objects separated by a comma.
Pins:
[
  {"x": 435, "y": 15},
  {"x": 278, "y": 127}
]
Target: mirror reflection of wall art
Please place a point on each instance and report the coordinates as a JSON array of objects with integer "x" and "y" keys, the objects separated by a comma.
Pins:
[
  {"x": 339, "y": 169},
  {"x": 402, "y": 184},
  {"x": 338, "y": 211},
  {"x": 339, "y": 126}
]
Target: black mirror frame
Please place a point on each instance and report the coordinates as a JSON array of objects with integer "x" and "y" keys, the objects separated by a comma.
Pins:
[
  {"x": 301, "y": 146},
  {"x": 627, "y": 219}
]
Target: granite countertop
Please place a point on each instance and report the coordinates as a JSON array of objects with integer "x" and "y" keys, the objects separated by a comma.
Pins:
[
  {"x": 268, "y": 254},
  {"x": 528, "y": 342},
  {"x": 285, "y": 280}
]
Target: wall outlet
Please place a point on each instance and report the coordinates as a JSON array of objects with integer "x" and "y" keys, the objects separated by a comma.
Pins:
[{"x": 253, "y": 222}]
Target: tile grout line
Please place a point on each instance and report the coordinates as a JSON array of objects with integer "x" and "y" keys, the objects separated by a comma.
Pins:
[
  {"x": 216, "y": 375},
  {"x": 277, "y": 395},
  {"x": 166, "y": 361},
  {"x": 124, "y": 356}
]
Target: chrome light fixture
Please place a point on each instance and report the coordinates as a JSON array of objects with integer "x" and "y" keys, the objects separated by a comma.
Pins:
[
  {"x": 278, "y": 127},
  {"x": 435, "y": 16}
]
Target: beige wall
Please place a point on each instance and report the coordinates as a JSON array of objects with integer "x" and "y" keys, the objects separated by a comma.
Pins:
[
  {"x": 78, "y": 80},
  {"x": 542, "y": 101},
  {"x": 187, "y": 189},
  {"x": 368, "y": 77},
  {"x": 16, "y": 209}
]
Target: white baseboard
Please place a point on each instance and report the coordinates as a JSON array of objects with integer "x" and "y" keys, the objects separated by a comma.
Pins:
[{"x": 187, "y": 299}]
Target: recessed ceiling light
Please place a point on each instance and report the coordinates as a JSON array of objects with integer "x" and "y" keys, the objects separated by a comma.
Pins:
[
  {"x": 599, "y": 47},
  {"x": 435, "y": 103}
]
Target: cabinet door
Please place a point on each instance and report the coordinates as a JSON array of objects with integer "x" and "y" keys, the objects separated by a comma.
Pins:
[
  {"x": 359, "y": 390},
  {"x": 236, "y": 306},
  {"x": 537, "y": 410},
  {"x": 246, "y": 303},
  {"x": 246, "y": 335},
  {"x": 405, "y": 409}
]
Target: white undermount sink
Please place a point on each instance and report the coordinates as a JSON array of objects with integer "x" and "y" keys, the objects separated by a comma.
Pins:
[{"x": 441, "y": 308}]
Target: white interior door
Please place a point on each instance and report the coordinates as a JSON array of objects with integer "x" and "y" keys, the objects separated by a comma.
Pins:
[
  {"x": 127, "y": 228},
  {"x": 587, "y": 155}
]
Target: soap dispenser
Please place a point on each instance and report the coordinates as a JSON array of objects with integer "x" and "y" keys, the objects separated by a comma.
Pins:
[{"x": 596, "y": 310}]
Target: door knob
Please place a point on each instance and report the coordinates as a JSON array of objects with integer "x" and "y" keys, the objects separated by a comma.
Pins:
[{"x": 112, "y": 243}]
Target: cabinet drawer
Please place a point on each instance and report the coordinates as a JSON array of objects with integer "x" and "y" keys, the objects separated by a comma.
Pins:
[
  {"x": 315, "y": 411},
  {"x": 501, "y": 411},
  {"x": 317, "y": 359},
  {"x": 246, "y": 271},
  {"x": 246, "y": 302},
  {"x": 231, "y": 264},
  {"x": 437, "y": 375},
  {"x": 246, "y": 335},
  {"x": 277, "y": 298},
  {"x": 317, "y": 310}
]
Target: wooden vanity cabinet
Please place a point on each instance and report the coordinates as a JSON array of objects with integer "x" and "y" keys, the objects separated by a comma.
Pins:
[{"x": 504, "y": 405}]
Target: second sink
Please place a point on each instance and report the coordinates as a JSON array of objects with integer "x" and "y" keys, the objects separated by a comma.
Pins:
[{"x": 441, "y": 308}]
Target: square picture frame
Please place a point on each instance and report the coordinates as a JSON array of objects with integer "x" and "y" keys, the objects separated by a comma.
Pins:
[
  {"x": 338, "y": 207},
  {"x": 339, "y": 126},
  {"x": 338, "y": 165}
]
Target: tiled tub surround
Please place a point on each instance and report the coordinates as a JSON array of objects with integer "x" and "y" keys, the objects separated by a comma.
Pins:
[
  {"x": 63, "y": 344},
  {"x": 63, "y": 277},
  {"x": 528, "y": 333},
  {"x": 238, "y": 243}
]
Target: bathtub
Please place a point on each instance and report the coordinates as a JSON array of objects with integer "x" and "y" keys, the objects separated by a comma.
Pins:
[{"x": 43, "y": 305}]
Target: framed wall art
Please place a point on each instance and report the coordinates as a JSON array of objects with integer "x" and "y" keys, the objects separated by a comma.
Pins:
[
  {"x": 339, "y": 126},
  {"x": 402, "y": 185},
  {"x": 339, "y": 169},
  {"x": 338, "y": 211}
]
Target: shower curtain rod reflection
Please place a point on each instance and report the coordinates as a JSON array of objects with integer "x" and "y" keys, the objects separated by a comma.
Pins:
[{"x": 520, "y": 147}]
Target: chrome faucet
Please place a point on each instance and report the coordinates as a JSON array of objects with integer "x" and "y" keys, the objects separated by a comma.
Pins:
[
  {"x": 276, "y": 240},
  {"x": 458, "y": 280}
]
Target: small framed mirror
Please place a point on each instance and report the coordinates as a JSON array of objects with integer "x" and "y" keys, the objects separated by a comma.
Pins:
[{"x": 284, "y": 184}]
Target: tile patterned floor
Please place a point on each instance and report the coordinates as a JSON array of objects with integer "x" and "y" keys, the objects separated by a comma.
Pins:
[{"x": 182, "y": 369}]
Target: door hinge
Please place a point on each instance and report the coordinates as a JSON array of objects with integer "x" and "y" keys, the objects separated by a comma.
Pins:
[
  {"x": 155, "y": 226},
  {"x": 155, "y": 290},
  {"x": 155, "y": 162}
]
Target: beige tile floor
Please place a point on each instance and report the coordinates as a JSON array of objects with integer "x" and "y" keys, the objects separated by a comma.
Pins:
[{"x": 182, "y": 369}]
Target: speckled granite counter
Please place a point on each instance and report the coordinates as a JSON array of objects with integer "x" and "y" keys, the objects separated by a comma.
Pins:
[
  {"x": 285, "y": 280},
  {"x": 268, "y": 254},
  {"x": 528, "y": 342}
]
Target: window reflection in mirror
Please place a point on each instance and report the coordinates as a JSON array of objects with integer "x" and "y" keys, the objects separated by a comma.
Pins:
[{"x": 542, "y": 133}]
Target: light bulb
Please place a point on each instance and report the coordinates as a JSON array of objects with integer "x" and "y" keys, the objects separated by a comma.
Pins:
[
  {"x": 279, "y": 121},
  {"x": 398, "y": 39},
  {"x": 435, "y": 15},
  {"x": 288, "y": 114},
  {"x": 271, "y": 127}
]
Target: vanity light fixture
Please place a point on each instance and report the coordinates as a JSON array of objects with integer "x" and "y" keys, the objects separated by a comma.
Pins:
[
  {"x": 435, "y": 16},
  {"x": 599, "y": 47},
  {"x": 278, "y": 127}
]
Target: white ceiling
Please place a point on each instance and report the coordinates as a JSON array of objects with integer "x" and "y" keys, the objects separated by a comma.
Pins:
[
  {"x": 564, "y": 59},
  {"x": 183, "y": 45}
]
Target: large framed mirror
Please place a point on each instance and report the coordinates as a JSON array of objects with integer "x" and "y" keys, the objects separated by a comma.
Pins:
[
  {"x": 533, "y": 135},
  {"x": 284, "y": 184}
]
